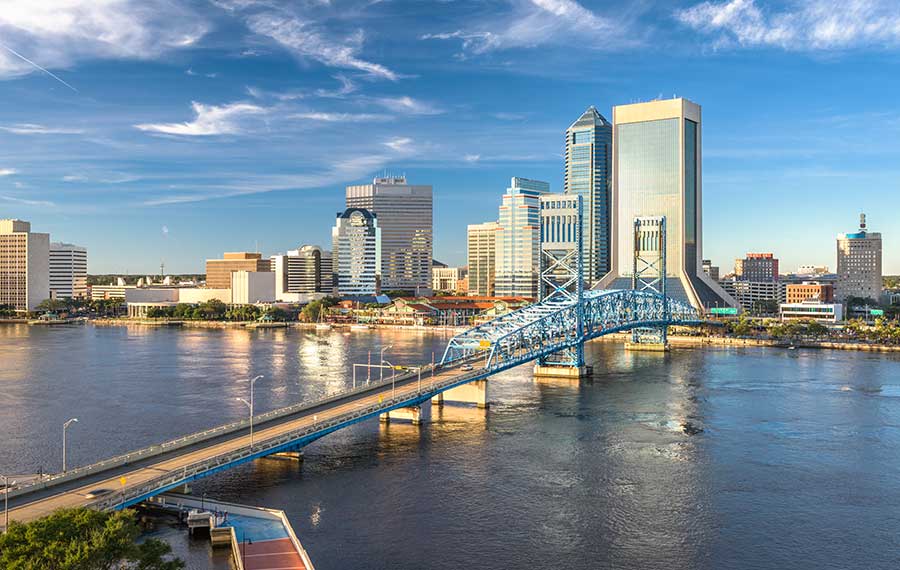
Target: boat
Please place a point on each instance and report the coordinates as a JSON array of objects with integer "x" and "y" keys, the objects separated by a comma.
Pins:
[
  {"x": 321, "y": 325},
  {"x": 361, "y": 327}
]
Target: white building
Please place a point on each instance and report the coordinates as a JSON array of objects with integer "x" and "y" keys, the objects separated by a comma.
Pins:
[
  {"x": 559, "y": 233},
  {"x": 356, "y": 240},
  {"x": 68, "y": 270},
  {"x": 404, "y": 214},
  {"x": 24, "y": 265},
  {"x": 481, "y": 254},
  {"x": 812, "y": 310},
  {"x": 519, "y": 239},
  {"x": 859, "y": 264},
  {"x": 252, "y": 287},
  {"x": 448, "y": 279},
  {"x": 302, "y": 273}
]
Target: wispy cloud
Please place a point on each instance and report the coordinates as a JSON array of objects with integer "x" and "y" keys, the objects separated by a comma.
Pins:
[
  {"x": 58, "y": 33},
  {"x": 8, "y": 171},
  {"x": 210, "y": 120},
  {"x": 407, "y": 105},
  {"x": 34, "y": 129},
  {"x": 807, "y": 26},
  {"x": 340, "y": 117},
  {"x": 536, "y": 22},
  {"x": 26, "y": 202},
  {"x": 74, "y": 178},
  {"x": 306, "y": 40},
  {"x": 400, "y": 144}
]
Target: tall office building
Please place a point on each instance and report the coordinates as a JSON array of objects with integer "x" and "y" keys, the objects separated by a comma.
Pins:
[
  {"x": 481, "y": 254},
  {"x": 559, "y": 233},
  {"x": 404, "y": 214},
  {"x": 24, "y": 265},
  {"x": 657, "y": 171},
  {"x": 305, "y": 270},
  {"x": 357, "y": 254},
  {"x": 757, "y": 267},
  {"x": 588, "y": 153},
  {"x": 519, "y": 239},
  {"x": 218, "y": 271},
  {"x": 859, "y": 264},
  {"x": 68, "y": 270}
]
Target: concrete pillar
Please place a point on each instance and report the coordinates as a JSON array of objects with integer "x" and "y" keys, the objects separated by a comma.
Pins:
[
  {"x": 411, "y": 413},
  {"x": 475, "y": 392},
  {"x": 289, "y": 455},
  {"x": 647, "y": 346},
  {"x": 551, "y": 371}
]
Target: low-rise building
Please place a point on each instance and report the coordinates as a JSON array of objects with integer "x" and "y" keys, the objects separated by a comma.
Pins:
[
  {"x": 68, "y": 271},
  {"x": 447, "y": 279},
  {"x": 753, "y": 295},
  {"x": 809, "y": 291},
  {"x": 812, "y": 310},
  {"x": 218, "y": 271}
]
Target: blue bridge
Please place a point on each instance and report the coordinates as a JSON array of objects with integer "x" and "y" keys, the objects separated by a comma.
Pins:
[{"x": 538, "y": 332}]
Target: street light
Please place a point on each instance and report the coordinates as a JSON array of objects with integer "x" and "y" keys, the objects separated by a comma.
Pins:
[
  {"x": 381, "y": 361},
  {"x": 66, "y": 427},
  {"x": 6, "y": 484},
  {"x": 250, "y": 405}
]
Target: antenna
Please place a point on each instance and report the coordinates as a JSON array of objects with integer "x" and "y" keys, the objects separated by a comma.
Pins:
[{"x": 162, "y": 268}]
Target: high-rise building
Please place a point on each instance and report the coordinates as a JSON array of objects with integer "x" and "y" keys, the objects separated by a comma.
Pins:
[
  {"x": 859, "y": 264},
  {"x": 24, "y": 265},
  {"x": 356, "y": 240},
  {"x": 588, "y": 174},
  {"x": 559, "y": 232},
  {"x": 711, "y": 270},
  {"x": 481, "y": 253},
  {"x": 305, "y": 270},
  {"x": 218, "y": 271},
  {"x": 68, "y": 270},
  {"x": 404, "y": 214},
  {"x": 657, "y": 171},
  {"x": 757, "y": 267},
  {"x": 519, "y": 239}
]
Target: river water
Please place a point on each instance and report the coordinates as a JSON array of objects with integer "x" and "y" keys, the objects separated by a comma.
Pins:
[{"x": 734, "y": 458}]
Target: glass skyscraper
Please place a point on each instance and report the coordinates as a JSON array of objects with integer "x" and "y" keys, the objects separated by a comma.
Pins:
[
  {"x": 588, "y": 151},
  {"x": 657, "y": 172}
]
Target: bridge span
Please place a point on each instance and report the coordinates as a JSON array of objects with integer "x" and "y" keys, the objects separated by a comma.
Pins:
[{"x": 529, "y": 334}]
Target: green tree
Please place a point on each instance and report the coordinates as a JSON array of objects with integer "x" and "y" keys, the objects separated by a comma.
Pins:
[
  {"x": 82, "y": 539},
  {"x": 53, "y": 305}
]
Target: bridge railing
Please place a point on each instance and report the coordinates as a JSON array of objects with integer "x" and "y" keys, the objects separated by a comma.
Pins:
[{"x": 197, "y": 437}]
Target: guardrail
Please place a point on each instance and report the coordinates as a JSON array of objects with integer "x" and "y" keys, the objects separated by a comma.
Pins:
[
  {"x": 261, "y": 448},
  {"x": 198, "y": 437}
]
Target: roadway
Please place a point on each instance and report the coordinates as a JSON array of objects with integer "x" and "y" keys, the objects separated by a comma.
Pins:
[{"x": 373, "y": 399}]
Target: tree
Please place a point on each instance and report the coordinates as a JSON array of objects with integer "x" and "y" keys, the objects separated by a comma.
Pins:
[
  {"x": 52, "y": 305},
  {"x": 83, "y": 539}
]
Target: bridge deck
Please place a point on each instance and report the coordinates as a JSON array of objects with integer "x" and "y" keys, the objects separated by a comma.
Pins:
[{"x": 366, "y": 404}]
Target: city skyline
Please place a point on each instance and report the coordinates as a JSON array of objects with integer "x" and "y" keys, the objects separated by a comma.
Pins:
[{"x": 179, "y": 142}]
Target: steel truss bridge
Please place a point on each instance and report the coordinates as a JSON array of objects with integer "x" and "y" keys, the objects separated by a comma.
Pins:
[{"x": 556, "y": 324}]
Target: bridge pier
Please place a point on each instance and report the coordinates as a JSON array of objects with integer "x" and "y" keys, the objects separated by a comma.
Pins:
[
  {"x": 647, "y": 346},
  {"x": 475, "y": 392},
  {"x": 555, "y": 371},
  {"x": 412, "y": 413}
]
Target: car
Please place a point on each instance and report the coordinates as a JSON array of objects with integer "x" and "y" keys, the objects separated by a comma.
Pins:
[
  {"x": 467, "y": 367},
  {"x": 96, "y": 493}
]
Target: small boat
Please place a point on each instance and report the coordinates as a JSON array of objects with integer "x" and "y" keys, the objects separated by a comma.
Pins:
[
  {"x": 360, "y": 327},
  {"x": 323, "y": 326},
  {"x": 792, "y": 347}
]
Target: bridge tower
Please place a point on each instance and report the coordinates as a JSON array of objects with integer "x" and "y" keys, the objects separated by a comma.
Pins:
[
  {"x": 562, "y": 279},
  {"x": 649, "y": 274}
]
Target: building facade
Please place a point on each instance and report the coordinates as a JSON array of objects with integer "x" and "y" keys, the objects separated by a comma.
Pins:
[
  {"x": 711, "y": 270},
  {"x": 560, "y": 222},
  {"x": 757, "y": 267},
  {"x": 404, "y": 214},
  {"x": 356, "y": 242},
  {"x": 448, "y": 279},
  {"x": 68, "y": 271},
  {"x": 859, "y": 264},
  {"x": 809, "y": 291},
  {"x": 24, "y": 265},
  {"x": 304, "y": 271},
  {"x": 481, "y": 255},
  {"x": 218, "y": 271},
  {"x": 812, "y": 310},
  {"x": 588, "y": 174},
  {"x": 657, "y": 171},
  {"x": 756, "y": 297},
  {"x": 519, "y": 239}
]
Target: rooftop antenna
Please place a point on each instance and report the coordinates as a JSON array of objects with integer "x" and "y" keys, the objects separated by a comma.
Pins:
[{"x": 162, "y": 268}]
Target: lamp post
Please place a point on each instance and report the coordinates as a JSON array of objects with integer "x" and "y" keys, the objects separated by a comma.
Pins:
[
  {"x": 381, "y": 361},
  {"x": 6, "y": 501},
  {"x": 250, "y": 405},
  {"x": 65, "y": 428}
]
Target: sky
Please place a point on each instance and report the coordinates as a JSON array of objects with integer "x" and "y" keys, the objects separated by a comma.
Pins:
[{"x": 170, "y": 131}]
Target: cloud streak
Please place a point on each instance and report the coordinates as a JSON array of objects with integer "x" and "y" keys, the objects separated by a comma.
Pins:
[
  {"x": 34, "y": 129},
  {"x": 812, "y": 25},
  {"x": 210, "y": 120}
]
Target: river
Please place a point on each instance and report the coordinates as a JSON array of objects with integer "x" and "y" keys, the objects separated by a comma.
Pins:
[{"x": 747, "y": 458}]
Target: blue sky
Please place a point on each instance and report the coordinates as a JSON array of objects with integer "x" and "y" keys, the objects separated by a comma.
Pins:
[{"x": 151, "y": 130}]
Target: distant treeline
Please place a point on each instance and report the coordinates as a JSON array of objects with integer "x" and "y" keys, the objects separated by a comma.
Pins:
[{"x": 112, "y": 278}]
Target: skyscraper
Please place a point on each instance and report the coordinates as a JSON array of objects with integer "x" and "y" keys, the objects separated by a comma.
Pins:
[
  {"x": 588, "y": 152},
  {"x": 68, "y": 270},
  {"x": 859, "y": 264},
  {"x": 24, "y": 265},
  {"x": 356, "y": 254},
  {"x": 404, "y": 214},
  {"x": 519, "y": 239},
  {"x": 481, "y": 253},
  {"x": 657, "y": 171}
]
